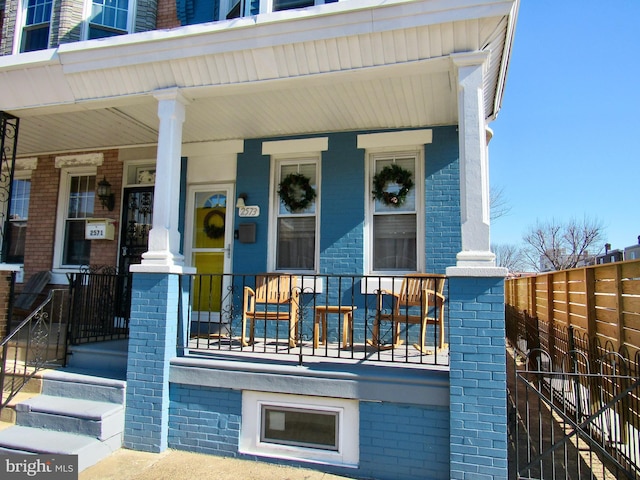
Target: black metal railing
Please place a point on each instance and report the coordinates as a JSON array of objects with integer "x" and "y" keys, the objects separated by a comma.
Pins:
[
  {"x": 100, "y": 304},
  {"x": 37, "y": 342},
  {"x": 8, "y": 146},
  {"x": 577, "y": 403},
  {"x": 372, "y": 318}
]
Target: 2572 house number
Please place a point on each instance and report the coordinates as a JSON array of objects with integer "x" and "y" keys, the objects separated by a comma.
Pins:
[{"x": 249, "y": 211}]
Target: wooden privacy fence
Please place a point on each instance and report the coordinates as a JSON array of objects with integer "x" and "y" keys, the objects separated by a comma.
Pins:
[{"x": 601, "y": 302}]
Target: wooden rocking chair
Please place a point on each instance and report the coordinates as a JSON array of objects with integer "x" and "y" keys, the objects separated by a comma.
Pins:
[
  {"x": 418, "y": 296},
  {"x": 274, "y": 298}
]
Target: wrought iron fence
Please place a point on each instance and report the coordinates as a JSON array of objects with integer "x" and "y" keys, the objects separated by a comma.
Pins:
[
  {"x": 371, "y": 318},
  {"x": 37, "y": 342},
  {"x": 8, "y": 143},
  {"x": 100, "y": 304},
  {"x": 576, "y": 403}
]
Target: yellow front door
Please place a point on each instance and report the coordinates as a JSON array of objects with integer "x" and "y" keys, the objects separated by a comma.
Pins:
[{"x": 210, "y": 246}]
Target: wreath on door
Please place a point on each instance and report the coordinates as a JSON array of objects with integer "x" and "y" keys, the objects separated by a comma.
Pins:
[
  {"x": 296, "y": 192},
  {"x": 211, "y": 228},
  {"x": 392, "y": 174}
]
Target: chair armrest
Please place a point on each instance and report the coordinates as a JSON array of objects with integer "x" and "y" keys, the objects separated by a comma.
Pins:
[{"x": 249, "y": 298}]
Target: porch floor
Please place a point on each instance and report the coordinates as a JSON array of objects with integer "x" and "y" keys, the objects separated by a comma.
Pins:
[{"x": 305, "y": 353}]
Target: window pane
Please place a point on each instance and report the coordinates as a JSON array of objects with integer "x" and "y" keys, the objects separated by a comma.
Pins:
[
  {"x": 36, "y": 39},
  {"x": 306, "y": 428},
  {"x": 309, "y": 171},
  {"x": 394, "y": 242},
  {"x": 289, "y": 4},
  {"x": 81, "y": 196},
  {"x": 108, "y": 13},
  {"x": 296, "y": 243},
  {"x": 407, "y": 163},
  {"x": 20, "y": 193},
  {"x": 76, "y": 248}
]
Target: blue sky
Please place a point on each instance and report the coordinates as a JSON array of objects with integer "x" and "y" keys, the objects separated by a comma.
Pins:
[{"x": 567, "y": 141}]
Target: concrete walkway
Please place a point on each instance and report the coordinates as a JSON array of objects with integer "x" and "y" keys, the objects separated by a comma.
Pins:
[{"x": 177, "y": 465}]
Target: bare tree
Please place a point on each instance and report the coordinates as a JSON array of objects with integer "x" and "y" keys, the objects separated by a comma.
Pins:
[
  {"x": 554, "y": 245},
  {"x": 498, "y": 205},
  {"x": 509, "y": 256}
]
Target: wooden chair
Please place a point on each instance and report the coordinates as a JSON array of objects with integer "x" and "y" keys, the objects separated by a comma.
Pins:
[
  {"x": 31, "y": 291},
  {"x": 274, "y": 298},
  {"x": 418, "y": 296}
]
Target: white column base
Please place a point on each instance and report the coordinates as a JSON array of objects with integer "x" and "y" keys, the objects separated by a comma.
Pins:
[{"x": 476, "y": 264}]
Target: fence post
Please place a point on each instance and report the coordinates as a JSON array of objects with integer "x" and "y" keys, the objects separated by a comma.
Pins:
[
  {"x": 619, "y": 306},
  {"x": 590, "y": 304}
]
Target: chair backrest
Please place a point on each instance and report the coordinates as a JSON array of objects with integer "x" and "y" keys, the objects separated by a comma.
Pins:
[
  {"x": 413, "y": 286},
  {"x": 32, "y": 289},
  {"x": 275, "y": 289}
]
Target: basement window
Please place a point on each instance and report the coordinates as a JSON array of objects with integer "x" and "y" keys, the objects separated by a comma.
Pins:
[{"x": 302, "y": 428}]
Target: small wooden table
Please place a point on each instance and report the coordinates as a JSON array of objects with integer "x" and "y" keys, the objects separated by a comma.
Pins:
[{"x": 321, "y": 319}]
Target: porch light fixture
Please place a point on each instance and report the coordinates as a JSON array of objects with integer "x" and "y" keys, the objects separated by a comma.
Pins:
[
  {"x": 242, "y": 198},
  {"x": 104, "y": 194}
]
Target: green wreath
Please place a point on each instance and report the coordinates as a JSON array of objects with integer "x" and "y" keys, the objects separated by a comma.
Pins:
[
  {"x": 296, "y": 192},
  {"x": 392, "y": 174},
  {"x": 212, "y": 230}
]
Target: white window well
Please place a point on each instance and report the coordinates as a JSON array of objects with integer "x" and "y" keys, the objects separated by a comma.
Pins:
[{"x": 297, "y": 427}]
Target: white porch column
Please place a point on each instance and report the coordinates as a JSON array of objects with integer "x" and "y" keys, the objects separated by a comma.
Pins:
[
  {"x": 164, "y": 255},
  {"x": 474, "y": 163}
]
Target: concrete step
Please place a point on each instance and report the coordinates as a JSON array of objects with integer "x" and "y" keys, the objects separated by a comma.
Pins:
[
  {"x": 101, "y": 420},
  {"x": 20, "y": 439},
  {"x": 70, "y": 384},
  {"x": 8, "y": 413},
  {"x": 100, "y": 357}
]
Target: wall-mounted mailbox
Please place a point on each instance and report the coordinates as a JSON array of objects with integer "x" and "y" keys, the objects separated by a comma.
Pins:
[
  {"x": 247, "y": 233},
  {"x": 99, "y": 229}
]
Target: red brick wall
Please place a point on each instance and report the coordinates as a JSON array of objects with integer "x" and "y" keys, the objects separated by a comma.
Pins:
[
  {"x": 42, "y": 217},
  {"x": 167, "y": 16},
  {"x": 45, "y": 182},
  {"x": 5, "y": 289}
]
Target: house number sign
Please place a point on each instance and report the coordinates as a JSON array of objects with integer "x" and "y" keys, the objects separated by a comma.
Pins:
[{"x": 249, "y": 211}]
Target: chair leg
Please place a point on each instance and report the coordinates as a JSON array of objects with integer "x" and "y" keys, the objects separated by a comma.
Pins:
[{"x": 243, "y": 337}]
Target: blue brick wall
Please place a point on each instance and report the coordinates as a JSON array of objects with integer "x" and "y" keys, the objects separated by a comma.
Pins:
[
  {"x": 396, "y": 441},
  {"x": 152, "y": 343},
  {"x": 205, "y": 420},
  {"x": 403, "y": 442},
  {"x": 478, "y": 378},
  {"x": 343, "y": 195},
  {"x": 442, "y": 199}
]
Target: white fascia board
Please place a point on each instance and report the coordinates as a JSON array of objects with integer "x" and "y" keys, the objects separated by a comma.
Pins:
[{"x": 340, "y": 19}]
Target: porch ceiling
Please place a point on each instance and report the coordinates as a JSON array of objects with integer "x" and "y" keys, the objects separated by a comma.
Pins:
[{"x": 328, "y": 68}]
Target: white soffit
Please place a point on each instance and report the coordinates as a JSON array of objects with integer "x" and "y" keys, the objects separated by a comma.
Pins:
[{"x": 348, "y": 65}]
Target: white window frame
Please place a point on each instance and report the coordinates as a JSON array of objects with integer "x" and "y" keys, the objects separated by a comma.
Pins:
[
  {"x": 86, "y": 17},
  {"x": 291, "y": 152},
  {"x": 407, "y": 142},
  {"x": 267, "y": 6},
  {"x": 21, "y": 20},
  {"x": 20, "y": 175},
  {"x": 63, "y": 205},
  {"x": 348, "y": 425}
]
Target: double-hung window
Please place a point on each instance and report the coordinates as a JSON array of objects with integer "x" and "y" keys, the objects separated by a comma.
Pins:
[
  {"x": 35, "y": 33},
  {"x": 108, "y": 18},
  {"x": 18, "y": 216},
  {"x": 77, "y": 206},
  {"x": 394, "y": 229},
  {"x": 295, "y": 234}
]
